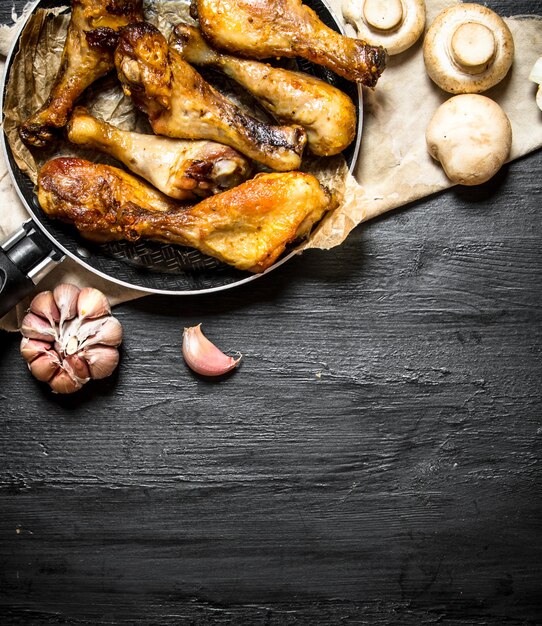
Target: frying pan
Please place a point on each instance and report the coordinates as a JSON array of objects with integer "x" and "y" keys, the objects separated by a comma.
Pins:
[{"x": 41, "y": 243}]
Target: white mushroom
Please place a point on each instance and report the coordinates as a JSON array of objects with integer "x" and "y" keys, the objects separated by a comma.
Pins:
[
  {"x": 394, "y": 24},
  {"x": 471, "y": 136},
  {"x": 536, "y": 77},
  {"x": 468, "y": 49}
]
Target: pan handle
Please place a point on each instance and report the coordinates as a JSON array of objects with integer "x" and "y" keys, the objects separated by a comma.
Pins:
[{"x": 25, "y": 258}]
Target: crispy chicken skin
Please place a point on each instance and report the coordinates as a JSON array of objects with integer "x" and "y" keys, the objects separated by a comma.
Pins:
[
  {"x": 180, "y": 103},
  {"x": 327, "y": 114},
  {"x": 87, "y": 56},
  {"x": 88, "y": 194},
  {"x": 247, "y": 227},
  {"x": 182, "y": 169},
  {"x": 262, "y": 29}
]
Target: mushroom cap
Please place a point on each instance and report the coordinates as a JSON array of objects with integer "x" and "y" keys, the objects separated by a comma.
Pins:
[
  {"x": 470, "y": 135},
  {"x": 394, "y": 24},
  {"x": 468, "y": 49}
]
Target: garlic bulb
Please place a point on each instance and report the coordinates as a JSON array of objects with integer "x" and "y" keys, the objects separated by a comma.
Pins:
[
  {"x": 204, "y": 357},
  {"x": 70, "y": 337}
]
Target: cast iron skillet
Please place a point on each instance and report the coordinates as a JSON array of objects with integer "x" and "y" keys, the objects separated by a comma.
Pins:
[{"x": 41, "y": 243}]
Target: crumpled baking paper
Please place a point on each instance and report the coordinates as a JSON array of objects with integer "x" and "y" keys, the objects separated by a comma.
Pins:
[{"x": 394, "y": 167}]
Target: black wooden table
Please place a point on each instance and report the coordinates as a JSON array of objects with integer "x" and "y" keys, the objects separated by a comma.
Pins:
[{"x": 376, "y": 459}]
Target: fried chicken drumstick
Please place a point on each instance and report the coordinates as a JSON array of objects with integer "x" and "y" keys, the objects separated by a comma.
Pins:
[
  {"x": 181, "y": 169},
  {"x": 326, "y": 113},
  {"x": 261, "y": 29},
  {"x": 87, "y": 56},
  {"x": 180, "y": 103},
  {"x": 247, "y": 227}
]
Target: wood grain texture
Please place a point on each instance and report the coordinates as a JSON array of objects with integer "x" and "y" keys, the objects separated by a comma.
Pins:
[{"x": 375, "y": 460}]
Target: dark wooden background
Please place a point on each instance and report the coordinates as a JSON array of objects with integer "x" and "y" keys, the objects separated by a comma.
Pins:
[{"x": 376, "y": 459}]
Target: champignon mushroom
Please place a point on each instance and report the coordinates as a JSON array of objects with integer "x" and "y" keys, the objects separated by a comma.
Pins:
[
  {"x": 394, "y": 24},
  {"x": 471, "y": 136},
  {"x": 536, "y": 77},
  {"x": 468, "y": 49}
]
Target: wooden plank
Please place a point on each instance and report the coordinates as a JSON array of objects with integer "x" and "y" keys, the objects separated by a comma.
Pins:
[{"x": 376, "y": 459}]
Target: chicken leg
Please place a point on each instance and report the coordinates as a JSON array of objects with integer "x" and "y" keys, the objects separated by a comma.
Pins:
[
  {"x": 87, "y": 56},
  {"x": 181, "y": 169},
  {"x": 247, "y": 227},
  {"x": 181, "y": 104},
  {"x": 261, "y": 29},
  {"x": 326, "y": 113}
]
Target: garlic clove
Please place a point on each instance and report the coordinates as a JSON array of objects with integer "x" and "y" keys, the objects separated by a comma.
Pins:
[
  {"x": 203, "y": 357},
  {"x": 63, "y": 382},
  {"x": 36, "y": 327},
  {"x": 92, "y": 303},
  {"x": 101, "y": 360},
  {"x": 32, "y": 348},
  {"x": 77, "y": 366},
  {"x": 44, "y": 367},
  {"x": 72, "y": 346},
  {"x": 89, "y": 329},
  {"x": 109, "y": 333},
  {"x": 69, "y": 336},
  {"x": 66, "y": 296},
  {"x": 44, "y": 305}
]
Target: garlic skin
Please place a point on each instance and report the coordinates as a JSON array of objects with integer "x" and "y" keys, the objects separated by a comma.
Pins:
[
  {"x": 44, "y": 304},
  {"x": 92, "y": 303},
  {"x": 107, "y": 333},
  {"x": 102, "y": 360},
  {"x": 32, "y": 348},
  {"x": 77, "y": 367},
  {"x": 65, "y": 296},
  {"x": 45, "y": 366},
  {"x": 63, "y": 383},
  {"x": 70, "y": 337},
  {"x": 203, "y": 357},
  {"x": 36, "y": 327}
]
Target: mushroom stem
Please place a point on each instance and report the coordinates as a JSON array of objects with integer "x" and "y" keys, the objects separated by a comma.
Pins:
[
  {"x": 383, "y": 14},
  {"x": 473, "y": 47}
]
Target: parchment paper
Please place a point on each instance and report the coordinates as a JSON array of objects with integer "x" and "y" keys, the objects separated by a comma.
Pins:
[{"x": 393, "y": 169}]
